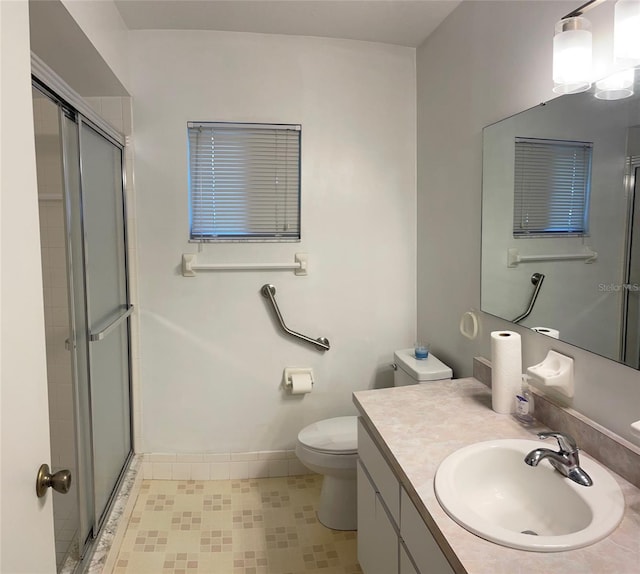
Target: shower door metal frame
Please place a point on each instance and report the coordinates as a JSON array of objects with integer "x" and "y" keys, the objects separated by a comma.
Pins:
[
  {"x": 62, "y": 92},
  {"x": 73, "y": 106}
]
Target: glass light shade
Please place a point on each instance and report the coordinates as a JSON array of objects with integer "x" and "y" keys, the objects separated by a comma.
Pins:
[
  {"x": 626, "y": 31},
  {"x": 616, "y": 86},
  {"x": 572, "y": 54}
]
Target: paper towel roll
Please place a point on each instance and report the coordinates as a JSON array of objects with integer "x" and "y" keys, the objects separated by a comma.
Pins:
[
  {"x": 506, "y": 370},
  {"x": 301, "y": 383},
  {"x": 547, "y": 331}
]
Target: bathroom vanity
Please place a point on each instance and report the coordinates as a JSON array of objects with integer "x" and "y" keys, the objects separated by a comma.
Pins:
[
  {"x": 404, "y": 433},
  {"x": 392, "y": 537}
]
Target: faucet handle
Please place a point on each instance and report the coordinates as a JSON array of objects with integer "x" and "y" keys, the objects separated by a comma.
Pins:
[{"x": 565, "y": 442}]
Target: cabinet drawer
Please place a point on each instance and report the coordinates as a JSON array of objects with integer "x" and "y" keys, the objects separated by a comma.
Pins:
[
  {"x": 421, "y": 545},
  {"x": 383, "y": 478},
  {"x": 377, "y": 537}
]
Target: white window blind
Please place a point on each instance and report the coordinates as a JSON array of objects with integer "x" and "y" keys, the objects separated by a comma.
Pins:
[
  {"x": 552, "y": 185},
  {"x": 244, "y": 181}
]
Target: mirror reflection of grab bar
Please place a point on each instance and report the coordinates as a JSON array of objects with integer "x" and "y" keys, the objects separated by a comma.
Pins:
[
  {"x": 536, "y": 280},
  {"x": 268, "y": 292}
]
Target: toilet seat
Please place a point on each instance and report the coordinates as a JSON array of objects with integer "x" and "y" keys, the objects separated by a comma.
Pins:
[{"x": 334, "y": 436}]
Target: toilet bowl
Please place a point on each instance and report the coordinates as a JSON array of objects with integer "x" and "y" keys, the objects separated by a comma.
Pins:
[{"x": 330, "y": 447}]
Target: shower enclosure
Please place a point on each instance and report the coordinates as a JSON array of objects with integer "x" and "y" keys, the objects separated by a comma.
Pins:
[
  {"x": 87, "y": 309},
  {"x": 630, "y": 332}
]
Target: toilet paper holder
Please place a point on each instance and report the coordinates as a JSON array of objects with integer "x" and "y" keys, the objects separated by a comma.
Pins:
[{"x": 288, "y": 376}]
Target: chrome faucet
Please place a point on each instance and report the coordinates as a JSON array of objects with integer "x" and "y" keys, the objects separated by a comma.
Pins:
[{"x": 565, "y": 461}]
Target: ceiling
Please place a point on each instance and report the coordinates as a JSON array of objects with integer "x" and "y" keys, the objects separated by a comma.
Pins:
[{"x": 402, "y": 22}]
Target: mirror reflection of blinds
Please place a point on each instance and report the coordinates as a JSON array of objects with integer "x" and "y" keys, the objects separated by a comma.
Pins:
[
  {"x": 551, "y": 187},
  {"x": 244, "y": 181}
]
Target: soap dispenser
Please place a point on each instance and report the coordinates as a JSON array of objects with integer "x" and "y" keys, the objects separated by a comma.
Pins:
[{"x": 524, "y": 403}]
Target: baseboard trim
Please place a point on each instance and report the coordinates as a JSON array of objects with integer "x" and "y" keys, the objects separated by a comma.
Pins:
[{"x": 222, "y": 466}]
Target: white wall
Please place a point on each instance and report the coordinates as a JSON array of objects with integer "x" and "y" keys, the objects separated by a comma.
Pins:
[
  {"x": 211, "y": 355},
  {"x": 498, "y": 62},
  {"x": 100, "y": 20}
]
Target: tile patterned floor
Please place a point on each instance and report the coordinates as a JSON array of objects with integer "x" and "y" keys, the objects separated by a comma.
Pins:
[{"x": 254, "y": 526}]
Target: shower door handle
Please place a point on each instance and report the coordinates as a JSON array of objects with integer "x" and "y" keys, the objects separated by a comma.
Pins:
[{"x": 98, "y": 336}]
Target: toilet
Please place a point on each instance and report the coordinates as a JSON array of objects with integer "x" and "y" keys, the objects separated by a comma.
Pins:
[{"x": 330, "y": 447}]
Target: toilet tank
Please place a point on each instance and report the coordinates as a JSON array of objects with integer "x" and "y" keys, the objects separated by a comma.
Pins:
[{"x": 411, "y": 371}]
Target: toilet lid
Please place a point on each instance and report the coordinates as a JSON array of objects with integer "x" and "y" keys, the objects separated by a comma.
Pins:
[{"x": 337, "y": 435}]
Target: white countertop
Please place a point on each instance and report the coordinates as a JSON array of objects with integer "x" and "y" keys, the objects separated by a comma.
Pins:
[{"x": 418, "y": 426}]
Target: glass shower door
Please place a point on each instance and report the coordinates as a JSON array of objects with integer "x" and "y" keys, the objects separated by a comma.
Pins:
[
  {"x": 78, "y": 340},
  {"x": 108, "y": 310}
]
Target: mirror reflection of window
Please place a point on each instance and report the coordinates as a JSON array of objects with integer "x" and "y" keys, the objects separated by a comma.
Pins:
[
  {"x": 551, "y": 187},
  {"x": 585, "y": 295}
]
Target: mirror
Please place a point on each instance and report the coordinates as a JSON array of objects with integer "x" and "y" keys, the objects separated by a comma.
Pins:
[{"x": 543, "y": 264}]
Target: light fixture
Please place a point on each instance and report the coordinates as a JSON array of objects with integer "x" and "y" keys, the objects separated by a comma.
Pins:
[
  {"x": 616, "y": 86},
  {"x": 626, "y": 32},
  {"x": 572, "y": 55},
  {"x": 572, "y": 52}
]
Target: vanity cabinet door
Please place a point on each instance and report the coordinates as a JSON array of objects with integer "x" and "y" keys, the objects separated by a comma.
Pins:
[
  {"x": 406, "y": 565},
  {"x": 419, "y": 541},
  {"x": 377, "y": 537},
  {"x": 384, "y": 480}
]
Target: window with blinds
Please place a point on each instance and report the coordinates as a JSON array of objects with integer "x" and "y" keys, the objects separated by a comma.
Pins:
[
  {"x": 244, "y": 182},
  {"x": 552, "y": 185}
]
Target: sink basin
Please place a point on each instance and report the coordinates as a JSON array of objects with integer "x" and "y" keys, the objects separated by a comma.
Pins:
[{"x": 488, "y": 489}]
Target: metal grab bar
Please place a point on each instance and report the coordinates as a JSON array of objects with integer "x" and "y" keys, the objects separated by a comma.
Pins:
[
  {"x": 111, "y": 326},
  {"x": 536, "y": 280},
  {"x": 268, "y": 292}
]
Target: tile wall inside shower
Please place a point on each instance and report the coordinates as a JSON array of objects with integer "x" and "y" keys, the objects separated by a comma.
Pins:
[{"x": 56, "y": 308}]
